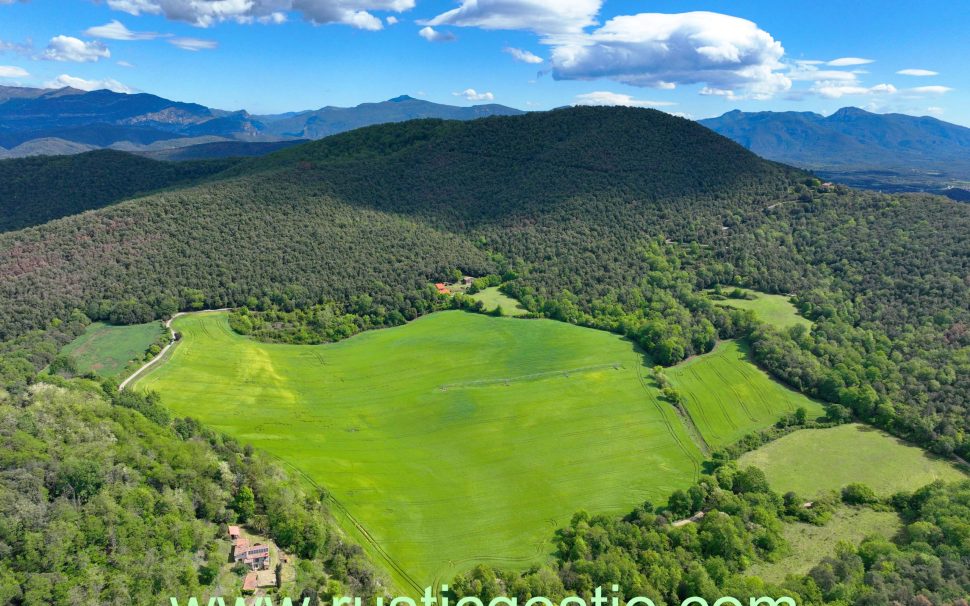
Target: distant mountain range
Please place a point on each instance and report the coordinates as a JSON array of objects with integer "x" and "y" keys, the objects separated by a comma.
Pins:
[
  {"x": 67, "y": 121},
  {"x": 893, "y": 152}
]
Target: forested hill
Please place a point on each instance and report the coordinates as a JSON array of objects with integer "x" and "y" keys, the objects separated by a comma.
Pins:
[
  {"x": 39, "y": 189},
  {"x": 608, "y": 217}
]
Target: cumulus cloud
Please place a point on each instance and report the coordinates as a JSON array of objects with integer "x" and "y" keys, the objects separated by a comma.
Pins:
[
  {"x": 522, "y": 56},
  {"x": 603, "y": 97},
  {"x": 12, "y": 71},
  {"x": 730, "y": 55},
  {"x": 193, "y": 44},
  {"x": 66, "y": 48},
  {"x": 545, "y": 17},
  {"x": 849, "y": 61},
  {"x": 391, "y": 20},
  {"x": 471, "y": 94},
  {"x": 432, "y": 35},
  {"x": 65, "y": 80},
  {"x": 204, "y": 13},
  {"x": 917, "y": 72},
  {"x": 116, "y": 30}
]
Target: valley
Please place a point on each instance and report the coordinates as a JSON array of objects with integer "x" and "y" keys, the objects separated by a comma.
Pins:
[{"x": 704, "y": 343}]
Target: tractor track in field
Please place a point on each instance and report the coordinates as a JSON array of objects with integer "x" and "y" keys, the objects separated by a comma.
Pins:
[
  {"x": 670, "y": 427},
  {"x": 388, "y": 559}
]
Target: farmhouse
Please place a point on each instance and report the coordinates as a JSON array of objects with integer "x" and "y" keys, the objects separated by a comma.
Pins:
[
  {"x": 442, "y": 288},
  {"x": 256, "y": 556}
]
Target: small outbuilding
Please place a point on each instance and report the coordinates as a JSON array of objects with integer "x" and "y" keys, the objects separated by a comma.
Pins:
[{"x": 442, "y": 288}]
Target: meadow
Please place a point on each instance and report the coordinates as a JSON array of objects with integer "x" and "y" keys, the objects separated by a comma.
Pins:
[
  {"x": 810, "y": 543},
  {"x": 453, "y": 440},
  {"x": 728, "y": 397},
  {"x": 811, "y": 462},
  {"x": 776, "y": 310},
  {"x": 107, "y": 350},
  {"x": 493, "y": 298}
]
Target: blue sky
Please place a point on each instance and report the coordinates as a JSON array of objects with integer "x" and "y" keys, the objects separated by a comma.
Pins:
[{"x": 696, "y": 58}]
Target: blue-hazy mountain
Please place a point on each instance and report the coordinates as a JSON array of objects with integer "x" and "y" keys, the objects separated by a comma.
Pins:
[
  {"x": 882, "y": 151},
  {"x": 57, "y": 121}
]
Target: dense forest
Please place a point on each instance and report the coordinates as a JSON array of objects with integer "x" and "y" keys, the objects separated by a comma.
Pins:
[{"x": 40, "y": 189}]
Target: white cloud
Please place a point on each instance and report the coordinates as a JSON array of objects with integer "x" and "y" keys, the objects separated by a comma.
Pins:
[
  {"x": 917, "y": 72},
  {"x": 125, "y": 64},
  {"x": 432, "y": 35},
  {"x": 849, "y": 61},
  {"x": 731, "y": 56},
  {"x": 603, "y": 97},
  {"x": 193, "y": 44},
  {"x": 204, "y": 13},
  {"x": 116, "y": 30},
  {"x": 836, "y": 89},
  {"x": 930, "y": 90},
  {"x": 391, "y": 20},
  {"x": 80, "y": 83},
  {"x": 545, "y": 17},
  {"x": 12, "y": 71},
  {"x": 809, "y": 71},
  {"x": 472, "y": 95},
  {"x": 522, "y": 56},
  {"x": 934, "y": 110},
  {"x": 66, "y": 48}
]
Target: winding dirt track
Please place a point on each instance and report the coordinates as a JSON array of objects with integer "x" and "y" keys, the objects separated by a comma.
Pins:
[{"x": 171, "y": 342}]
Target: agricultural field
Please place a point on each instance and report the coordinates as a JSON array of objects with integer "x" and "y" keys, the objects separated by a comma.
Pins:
[
  {"x": 728, "y": 397},
  {"x": 776, "y": 310},
  {"x": 813, "y": 461},
  {"x": 456, "y": 439},
  {"x": 810, "y": 543},
  {"x": 107, "y": 350},
  {"x": 492, "y": 297}
]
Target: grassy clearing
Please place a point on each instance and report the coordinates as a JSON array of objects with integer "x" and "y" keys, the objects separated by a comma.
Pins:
[
  {"x": 776, "y": 310},
  {"x": 727, "y": 396},
  {"x": 454, "y": 440},
  {"x": 107, "y": 350},
  {"x": 492, "y": 298},
  {"x": 809, "y": 544},
  {"x": 813, "y": 461}
]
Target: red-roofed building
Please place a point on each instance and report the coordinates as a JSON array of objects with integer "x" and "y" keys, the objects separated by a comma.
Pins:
[
  {"x": 234, "y": 533},
  {"x": 250, "y": 582},
  {"x": 255, "y": 556},
  {"x": 442, "y": 288}
]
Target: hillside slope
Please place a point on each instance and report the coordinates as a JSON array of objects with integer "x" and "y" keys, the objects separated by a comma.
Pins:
[
  {"x": 38, "y": 190},
  {"x": 613, "y": 218}
]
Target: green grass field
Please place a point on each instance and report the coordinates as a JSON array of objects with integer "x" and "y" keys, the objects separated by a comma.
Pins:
[
  {"x": 454, "y": 440},
  {"x": 727, "y": 396},
  {"x": 107, "y": 350},
  {"x": 813, "y": 461},
  {"x": 776, "y": 310},
  {"x": 492, "y": 297},
  {"x": 809, "y": 543}
]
